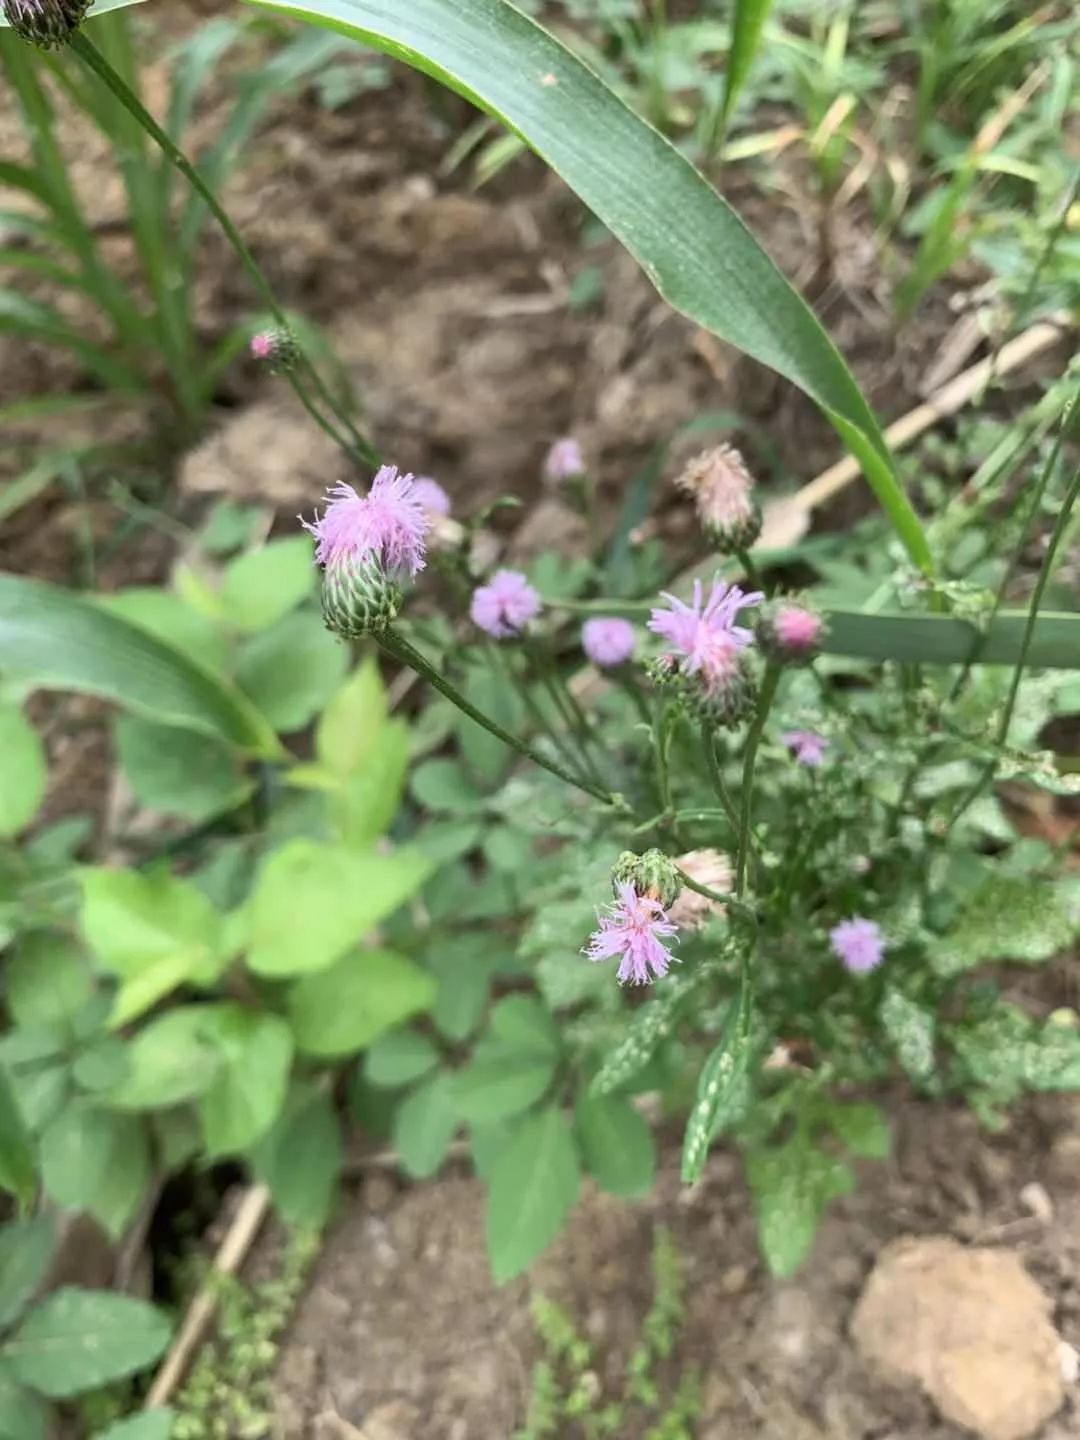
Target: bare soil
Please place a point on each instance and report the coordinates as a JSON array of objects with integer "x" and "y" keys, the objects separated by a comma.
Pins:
[{"x": 402, "y": 1336}]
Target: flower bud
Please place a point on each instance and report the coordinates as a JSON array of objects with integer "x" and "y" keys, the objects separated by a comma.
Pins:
[
  {"x": 277, "y": 349},
  {"x": 651, "y": 874},
  {"x": 722, "y": 491},
  {"x": 358, "y": 597},
  {"x": 790, "y": 632},
  {"x": 47, "y": 24}
]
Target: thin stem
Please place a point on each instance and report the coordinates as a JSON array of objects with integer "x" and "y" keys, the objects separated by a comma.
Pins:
[
  {"x": 408, "y": 655},
  {"x": 768, "y": 691},
  {"x": 1060, "y": 526},
  {"x": 750, "y": 570},
  {"x": 521, "y": 684},
  {"x": 660, "y": 737},
  {"x": 733, "y": 902},
  {"x": 716, "y": 775},
  {"x": 92, "y": 57}
]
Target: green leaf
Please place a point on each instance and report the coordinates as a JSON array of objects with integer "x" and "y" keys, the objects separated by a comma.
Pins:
[
  {"x": 650, "y": 1025},
  {"x": 340, "y": 1010},
  {"x": 150, "y": 1425},
  {"x": 54, "y": 640},
  {"x": 616, "y": 1144},
  {"x": 718, "y": 1083},
  {"x": 424, "y": 1126},
  {"x": 23, "y": 774},
  {"x": 79, "y": 1340},
  {"x": 533, "y": 1186},
  {"x": 792, "y": 1185},
  {"x": 521, "y": 1022},
  {"x": 502, "y": 1081},
  {"x": 1008, "y": 917},
  {"x": 247, "y": 1092},
  {"x": 750, "y": 17},
  {"x": 442, "y": 785},
  {"x": 291, "y": 670},
  {"x": 97, "y": 1161},
  {"x": 18, "y": 1170},
  {"x": 26, "y": 1247},
  {"x": 911, "y": 1030},
  {"x": 178, "y": 772},
  {"x": 488, "y": 758},
  {"x": 1009, "y": 1054},
  {"x": 399, "y": 1057},
  {"x": 172, "y": 620},
  {"x": 171, "y": 1060},
  {"x": 367, "y": 801},
  {"x": 23, "y": 1415},
  {"x": 300, "y": 1160},
  {"x": 48, "y": 981},
  {"x": 261, "y": 587},
  {"x": 352, "y": 722},
  {"x": 133, "y": 919},
  {"x": 312, "y": 902},
  {"x": 862, "y": 1128},
  {"x": 708, "y": 265},
  {"x": 463, "y": 969}
]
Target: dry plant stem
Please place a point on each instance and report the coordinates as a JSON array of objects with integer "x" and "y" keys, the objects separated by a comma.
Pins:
[
  {"x": 95, "y": 61},
  {"x": 408, "y": 655},
  {"x": 230, "y": 1256},
  {"x": 753, "y": 740}
]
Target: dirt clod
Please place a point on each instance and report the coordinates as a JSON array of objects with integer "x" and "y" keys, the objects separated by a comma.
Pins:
[{"x": 970, "y": 1327}]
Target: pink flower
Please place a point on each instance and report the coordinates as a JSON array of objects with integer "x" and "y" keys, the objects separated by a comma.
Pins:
[
  {"x": 506, "y": 605},
  {"x": 564, "y": 460},
  {"x": 797, "y": 629},
  {"x": 807, "y": 746},
  {"x": 262, "y": 345},
  {"x": 635, "y": 929},
  {"x": 704, "y": 634},
  {"x": 858, "y": 944},
  {"x": 388, "y": 524},
  {"x": 431, "y": 495},
  {"x": 608, "y": 642},
  {"x": 722, "y": 490}
]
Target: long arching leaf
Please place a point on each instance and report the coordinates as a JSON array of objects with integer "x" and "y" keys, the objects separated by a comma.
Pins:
[{"x": 54, "y": 640}]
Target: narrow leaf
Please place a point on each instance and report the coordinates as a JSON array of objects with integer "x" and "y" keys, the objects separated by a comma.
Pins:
[{"x": 718, "y": 1083}]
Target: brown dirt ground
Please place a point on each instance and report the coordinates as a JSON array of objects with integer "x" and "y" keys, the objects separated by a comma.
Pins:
[{"x": 401, "y": 1327}]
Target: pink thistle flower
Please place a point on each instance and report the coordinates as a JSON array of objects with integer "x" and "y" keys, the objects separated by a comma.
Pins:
[
  {"x": 564, "y": 460},
  {"x": 634, "y": 928},
  {"x": 505, "y": 605},
  {"x": 806, "y": 745},
  {"x": 722, "y": 490},
  {"x": 797, "y": 629},
  {"x": 704, "y": 635},
  {"x": 387, "y": 525},
  {"x": 262, "y": 345},
  {"x": 431, "y": 495},
  {"x": 858, "y": 944},
  {"x": 608, "y": 641}
]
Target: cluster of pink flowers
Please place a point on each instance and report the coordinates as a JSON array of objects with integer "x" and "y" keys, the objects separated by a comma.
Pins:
[
  {"x": 634, "y": 929},
  {"x": 703, "y": 637}
]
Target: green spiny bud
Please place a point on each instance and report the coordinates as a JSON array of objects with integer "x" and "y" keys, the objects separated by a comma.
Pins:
[
  {"x": 358, "y": 597},
  {"x": 278, "y": 349},
  {"x": 47, "y": 24},
  {"x": 650, "y": 874}
]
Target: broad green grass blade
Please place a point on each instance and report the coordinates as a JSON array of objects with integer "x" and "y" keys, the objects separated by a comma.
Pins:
[
  {"x": 749, "y": 20},
  {"x": 692, "y": 245},
  {"x": 54, "y": 640}
]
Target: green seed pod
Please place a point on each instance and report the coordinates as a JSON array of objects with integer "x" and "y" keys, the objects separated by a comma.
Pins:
[{"x": 358, "y": 598}]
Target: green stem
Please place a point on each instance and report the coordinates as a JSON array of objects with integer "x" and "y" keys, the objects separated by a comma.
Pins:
[
  {"x": 661, "y": 734},
  {"x": 1060, "y": 526},
  {"x": 768, "y": 691},
  {"x": 521, "y": 684},
  {"x": 733, "y": 902},
  {"x": 408, "y": 655},
  {"x": 750, "y": 570},
  {"x": 716, "y": 775},
  {"x": 92, "y": 57}
]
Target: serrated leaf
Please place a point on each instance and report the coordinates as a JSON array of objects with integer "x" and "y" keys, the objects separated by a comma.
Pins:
[
  {"x": 300, "y": 1160},
  {"x": 424, "y": 1125},
  {"x": 862, "y": 1128},
  {"x": 260, "y": 587},
  {"x": 79, "y": 1340},
  {"x": 97, "y": 1161},
  {"x": 399, "y": 1058},
  {"x": 311, "y": 903},
  {"x": 248, "y": 1090},
  {"x": 291, "y": 670},
  {"x": 340, "y": 1010},
  {"x": 792, "y": 1185},
  {"x": 532, "y": 1189},
  {"x": 617, "y": 1146},
  {"x": 178, "y": 772},
  {"x": 23, "y": 774},
  {"x": 26, "y": 1247},
  {"x": 170, "y": 1060},
  {"x": 911, "y": 1030},
  {"x": 718, "y": 1083},
  {"x": 1009, "y": 917}
]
